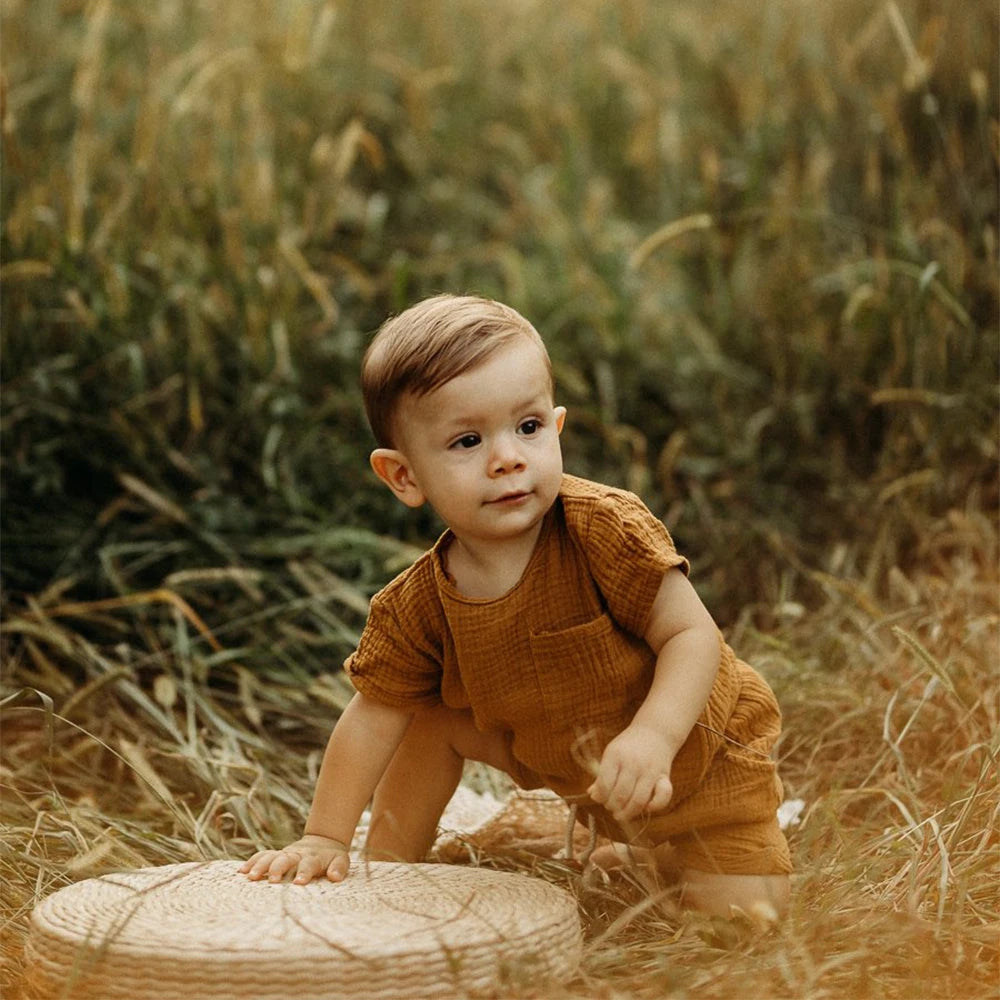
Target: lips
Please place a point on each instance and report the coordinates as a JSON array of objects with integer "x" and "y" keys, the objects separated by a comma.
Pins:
[{"x": 511, "y": 498}]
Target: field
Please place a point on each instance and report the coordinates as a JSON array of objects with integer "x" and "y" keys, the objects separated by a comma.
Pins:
[{"x": 761, "y": 243}]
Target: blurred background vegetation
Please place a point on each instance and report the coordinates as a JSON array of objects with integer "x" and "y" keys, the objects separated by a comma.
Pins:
[{"x": 760, "y": 242}]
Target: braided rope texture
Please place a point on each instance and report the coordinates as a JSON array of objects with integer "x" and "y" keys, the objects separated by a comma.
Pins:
[{"x": 200, "y": 930}]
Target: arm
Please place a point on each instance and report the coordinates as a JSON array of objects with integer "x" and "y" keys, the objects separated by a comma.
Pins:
[
  {"x": 359, "y": 750},
  {"x": 634, "y": 773}
]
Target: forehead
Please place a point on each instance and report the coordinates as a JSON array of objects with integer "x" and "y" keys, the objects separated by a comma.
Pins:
[{"x": 514, "y": 375}]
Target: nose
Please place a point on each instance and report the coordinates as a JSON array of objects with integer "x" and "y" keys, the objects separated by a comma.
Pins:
[{"x": 505, "y": 456}]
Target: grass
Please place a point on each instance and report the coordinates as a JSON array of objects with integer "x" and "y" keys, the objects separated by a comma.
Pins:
[
  {"x": 762, "y": 248},
  {"x": 890, "y": 740}
]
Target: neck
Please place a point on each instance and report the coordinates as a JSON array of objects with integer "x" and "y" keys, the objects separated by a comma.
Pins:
[{"x": 487, "y": 570}]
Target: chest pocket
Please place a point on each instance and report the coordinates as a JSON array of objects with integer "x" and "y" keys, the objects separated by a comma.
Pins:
[{"x": 591, "y": 678}]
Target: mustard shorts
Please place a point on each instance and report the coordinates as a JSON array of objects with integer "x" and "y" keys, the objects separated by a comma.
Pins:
[{"x": 727, "y": 823}]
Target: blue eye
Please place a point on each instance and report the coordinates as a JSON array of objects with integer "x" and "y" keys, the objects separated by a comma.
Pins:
[{"x": 466, "y": 441}]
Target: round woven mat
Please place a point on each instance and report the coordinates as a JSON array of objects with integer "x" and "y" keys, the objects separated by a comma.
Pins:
[{"x": 200, "y": 930}]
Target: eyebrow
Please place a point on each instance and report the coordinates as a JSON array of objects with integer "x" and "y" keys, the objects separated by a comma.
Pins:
[{"x": 531, "y": 403}]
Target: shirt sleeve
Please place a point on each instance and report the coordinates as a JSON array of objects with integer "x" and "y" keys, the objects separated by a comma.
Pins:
[
  {"x": 628, "y": 551},
  {"x": 394, "y": 664}
]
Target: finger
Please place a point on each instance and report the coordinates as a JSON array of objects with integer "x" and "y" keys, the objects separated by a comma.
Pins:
[
  {"x": 284, "y": 862},
  {"x": 309, "y": 867},
  {"x": 244, "y": 869},
  {"x": 663, "y": 792},
  {"x": 622, "y": 794},
  {"x": 636, "y": 800},
  {"x": 336, "y": 871},
  {"x": 607, "y": 777},
  {"x": 257, "y": 866},
  {"x": 649, "y": 797}
]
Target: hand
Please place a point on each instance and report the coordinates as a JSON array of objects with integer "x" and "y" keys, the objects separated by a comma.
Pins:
[
  {"x": 634, "y": 773},
  {"x": 309, "y": 857}
]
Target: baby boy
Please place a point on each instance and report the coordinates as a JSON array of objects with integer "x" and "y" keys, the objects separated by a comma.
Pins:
[{"x": 551, "y": 632}]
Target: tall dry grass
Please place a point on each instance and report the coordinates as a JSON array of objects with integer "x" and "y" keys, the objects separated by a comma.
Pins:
[
  {"x": 891, "y": 722},
  {"x": 762, "y": 247}
]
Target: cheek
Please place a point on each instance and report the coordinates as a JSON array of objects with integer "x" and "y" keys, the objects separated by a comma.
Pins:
[
  {"x": 452, "y": 477},
  {"x": 552, "y": 449}
]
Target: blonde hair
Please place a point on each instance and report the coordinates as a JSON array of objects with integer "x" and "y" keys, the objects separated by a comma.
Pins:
[{"x": 428, "y": 345}]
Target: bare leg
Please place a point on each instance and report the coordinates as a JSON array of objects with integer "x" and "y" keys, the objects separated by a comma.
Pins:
[
  {"x": 421, "y": 779},
  {"x": 763, "y": 898}
]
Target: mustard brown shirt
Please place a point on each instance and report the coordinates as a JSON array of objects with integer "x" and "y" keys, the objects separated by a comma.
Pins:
[{"x": 558, "y": 663}]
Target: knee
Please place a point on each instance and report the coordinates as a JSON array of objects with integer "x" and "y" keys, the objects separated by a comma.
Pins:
[
  {"x": 433, "y": 725},
  {"x": 446, "y": 728},
  {"x": 455, "y": 730}
]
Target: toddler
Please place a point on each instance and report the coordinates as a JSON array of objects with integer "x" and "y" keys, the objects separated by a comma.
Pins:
[{"x": 551, "y": 632}]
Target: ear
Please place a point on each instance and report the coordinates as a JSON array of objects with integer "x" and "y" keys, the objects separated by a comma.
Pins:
[
  {"x": 394, "y": 470},
  {"x": 560, "y": 412}
]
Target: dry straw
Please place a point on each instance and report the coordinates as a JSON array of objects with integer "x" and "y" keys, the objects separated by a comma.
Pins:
[{"x": 388, "y": 931}]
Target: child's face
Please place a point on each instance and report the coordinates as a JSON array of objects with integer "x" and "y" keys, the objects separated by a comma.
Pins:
[{"x": 482, "y": 449}]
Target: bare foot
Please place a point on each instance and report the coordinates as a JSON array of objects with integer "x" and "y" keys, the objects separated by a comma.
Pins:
[
  {"x": 762, "y": 899},
  {"x": 653, "y": 865}
]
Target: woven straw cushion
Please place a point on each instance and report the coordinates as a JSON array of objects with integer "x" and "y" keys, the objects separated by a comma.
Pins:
[{"x": 200, "y": 930}]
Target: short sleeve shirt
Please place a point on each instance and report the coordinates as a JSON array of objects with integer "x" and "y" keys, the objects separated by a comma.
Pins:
[{"x": 559, "y": 662}]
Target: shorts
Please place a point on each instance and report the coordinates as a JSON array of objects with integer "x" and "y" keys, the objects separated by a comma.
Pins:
[{"x": 728, "y": 823}]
